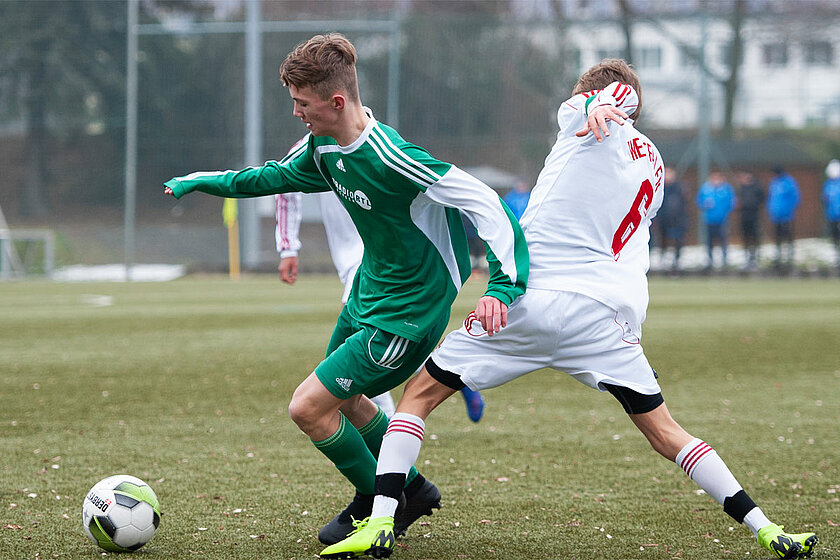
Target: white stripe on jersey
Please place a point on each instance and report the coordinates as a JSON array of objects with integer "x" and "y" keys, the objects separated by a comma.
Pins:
[
  {"x": 430, "y": 218},
  {"x": 299, "y": 147},
  {"x": 401, "y": 158},
  {"x": 393, "y": 165},
  {"x": 323, "y": 150},
  {"x": 200, "y": 174}
]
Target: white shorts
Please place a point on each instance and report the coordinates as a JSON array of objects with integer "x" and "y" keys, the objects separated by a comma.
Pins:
[{"x": 565, "y": 331}]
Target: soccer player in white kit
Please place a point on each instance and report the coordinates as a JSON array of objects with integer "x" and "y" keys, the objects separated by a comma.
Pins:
[
  {"x": 587, "y": 228},
  {"x": 346, "y": 250}
]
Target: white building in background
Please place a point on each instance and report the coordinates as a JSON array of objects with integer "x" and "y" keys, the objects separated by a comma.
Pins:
[{"x": 790, "y": 73}]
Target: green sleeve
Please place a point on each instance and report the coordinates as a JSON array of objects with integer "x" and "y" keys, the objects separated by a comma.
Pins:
[
  {"x": 292, "y": 174},
  {"x": 499, "y": 284}
]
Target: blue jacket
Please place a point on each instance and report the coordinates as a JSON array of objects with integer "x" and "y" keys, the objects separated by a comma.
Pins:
[
  {"x": 517, "y": 201},
  {"x": 715, "y": 202},
  {"x": 831, "y": 199},
  {"x": 782, "y": 199}
]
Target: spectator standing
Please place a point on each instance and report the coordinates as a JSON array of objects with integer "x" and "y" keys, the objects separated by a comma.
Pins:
[
  {"x": 716, "y": 199},
  {"x": 672, "y": 217},
  {"x": 517, "y": 198},
  {"x": 782, "y": 201},
  {"x": 831, "y": 201},
  {"x": 751, "y": 197}
]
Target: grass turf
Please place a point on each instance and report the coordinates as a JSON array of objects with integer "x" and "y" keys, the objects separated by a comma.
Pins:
[{"x": 185, "y": 384}]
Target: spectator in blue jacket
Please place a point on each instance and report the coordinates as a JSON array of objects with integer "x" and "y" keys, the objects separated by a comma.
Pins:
[
  {"x": 716, "y": 199},
  {"x": 782, "y": 201},
  {"x": 517, "y": 199},
  {"x": 831, "y": 201}
]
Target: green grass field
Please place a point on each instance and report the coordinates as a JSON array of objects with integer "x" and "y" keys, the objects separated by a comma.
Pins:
[{"x": 185, "y": 384}]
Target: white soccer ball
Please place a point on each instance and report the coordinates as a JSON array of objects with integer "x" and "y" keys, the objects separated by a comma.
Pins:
[{"x": 121, "y": 513}]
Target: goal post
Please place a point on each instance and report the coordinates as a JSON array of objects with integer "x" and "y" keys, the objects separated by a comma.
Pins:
[{"x": 25, "y": 252}]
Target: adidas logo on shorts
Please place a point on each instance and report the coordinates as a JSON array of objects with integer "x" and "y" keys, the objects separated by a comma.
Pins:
[{"x": 344, "y": 383}]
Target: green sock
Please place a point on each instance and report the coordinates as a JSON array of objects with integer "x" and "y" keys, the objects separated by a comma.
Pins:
[
  {"x": 350, "y": 454},
  {"x": 373, "y": 432}
]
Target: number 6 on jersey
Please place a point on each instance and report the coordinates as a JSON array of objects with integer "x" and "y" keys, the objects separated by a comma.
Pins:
[{"x": 633, "y": 219}]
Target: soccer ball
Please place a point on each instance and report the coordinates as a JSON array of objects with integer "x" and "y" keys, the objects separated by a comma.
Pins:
[{"x": 121, "y": 513}]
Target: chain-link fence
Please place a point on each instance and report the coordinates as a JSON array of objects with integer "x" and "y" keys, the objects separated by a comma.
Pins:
[{"x": 477, "y": 84}]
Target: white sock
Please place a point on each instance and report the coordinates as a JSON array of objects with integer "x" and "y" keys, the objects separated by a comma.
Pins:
[
  {"x": 756, "y": 520},
  {"x": 703, "y": 465},
  {"x": 383, "y": 506},
  {"x": 386, "y": 402},
  {"x": 400, "y": 449}
]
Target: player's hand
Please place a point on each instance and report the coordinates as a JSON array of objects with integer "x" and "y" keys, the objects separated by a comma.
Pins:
[
  {"x": 168, "y": 190},
  {"x": 288, "y": 269},
  {"x": 596, "y": 123},
  {"x": 492, "y": 314}
]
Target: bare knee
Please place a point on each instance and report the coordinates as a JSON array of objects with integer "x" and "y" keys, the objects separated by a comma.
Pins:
[
  {"x": 301, "y": 411},
  {"x": 310, "y": 407}
]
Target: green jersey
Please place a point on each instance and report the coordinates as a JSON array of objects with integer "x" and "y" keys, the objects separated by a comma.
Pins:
[{"x": 405, "y": 205}]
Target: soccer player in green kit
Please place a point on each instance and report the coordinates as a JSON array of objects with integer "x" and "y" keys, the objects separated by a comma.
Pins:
[{"x": 405, "y": 205}]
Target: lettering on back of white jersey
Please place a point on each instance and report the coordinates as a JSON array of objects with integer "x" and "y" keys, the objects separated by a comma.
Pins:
[{"x": 639, "y": 149}]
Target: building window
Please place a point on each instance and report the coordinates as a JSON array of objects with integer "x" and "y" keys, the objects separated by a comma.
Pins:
[
  {"x": 689, "y": 57},
  {"x": 726, "y": 55},
  {"x": 649, "y": 57},
  {"x": 819, "y": 53},
  {"x": 774, "y": 54}
]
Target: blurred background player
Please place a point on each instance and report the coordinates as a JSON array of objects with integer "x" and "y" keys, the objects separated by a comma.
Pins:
[
  {"x": 346, "y": 250},
  {"x": 716, "y": 199},
  {"x": 831, "y": 203},
  {"x": 782, "y": 201},
  {"x": 750, "y": 200},
  {"x": 672, "y": 218},
  {"x": 405, "y": 205},
  {"x": 588, "y": 232}
]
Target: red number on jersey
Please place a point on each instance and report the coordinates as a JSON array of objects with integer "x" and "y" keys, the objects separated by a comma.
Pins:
[{"x": 633, "y": 219}]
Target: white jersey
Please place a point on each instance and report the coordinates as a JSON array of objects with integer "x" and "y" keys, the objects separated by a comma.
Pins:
[
  {"x": 346, "y": 248},
  {"x": 587, "y": 223}
]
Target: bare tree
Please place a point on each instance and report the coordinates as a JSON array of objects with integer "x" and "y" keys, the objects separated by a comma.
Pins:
[
  {"x": 736, "y": 49},
  {"x": 627, "y": 28}
]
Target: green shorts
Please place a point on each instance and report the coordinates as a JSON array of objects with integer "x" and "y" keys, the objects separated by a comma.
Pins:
[{"x": 362, "y": 359}]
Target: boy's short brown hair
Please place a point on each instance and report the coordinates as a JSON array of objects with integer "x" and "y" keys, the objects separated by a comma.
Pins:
[
  {"x": 325, "y": 63},
  {"x": 606, "y": 72}
]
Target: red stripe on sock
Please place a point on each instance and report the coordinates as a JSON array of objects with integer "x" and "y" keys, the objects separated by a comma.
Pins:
[
  {"x": 690, "y": 455},
  {"x": 696, "y": 455},
  {"x": 405, "y": 428}
]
